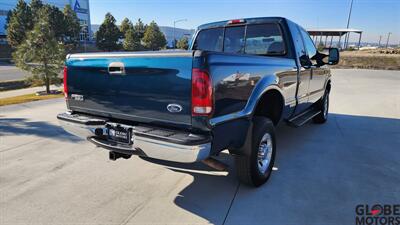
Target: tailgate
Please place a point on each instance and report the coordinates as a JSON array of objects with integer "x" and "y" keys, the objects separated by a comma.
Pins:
[{"x": 143, "y": 86}]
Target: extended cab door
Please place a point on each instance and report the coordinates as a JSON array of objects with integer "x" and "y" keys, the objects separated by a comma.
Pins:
[
  {"x": 318, "y": 72},
  {"x": 304, "y": 73}
]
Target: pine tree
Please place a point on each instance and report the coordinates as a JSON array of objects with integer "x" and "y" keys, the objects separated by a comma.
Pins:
[
  {"x": 35, "y": 6},
  {"x": 21, "y": 20},
  {"x": 131, "y": 41},
  {"x": 153, "y": 38},
  {"x": 183, "y": 43},
  {"x": 108, "y": 34},
  {"x": 19, "y": 24},
  {"x": 125, "y": 26},
  {"x": 72, "y": 26},
  {"x": 56, "y": 20},
  {"x": 139, "y": 29},
  {"x": 40, "y": 53}
]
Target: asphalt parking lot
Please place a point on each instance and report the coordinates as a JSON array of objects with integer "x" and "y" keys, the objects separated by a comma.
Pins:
[
  {"x": 323, "y": 171},
  {"x": 11, "y": 72}
]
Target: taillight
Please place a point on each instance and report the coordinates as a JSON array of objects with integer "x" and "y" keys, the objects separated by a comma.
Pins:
[
  {"x": 65, "y": 81},
  {"x": 202, "y": 99},
  {"x": 238, "y": 21}
]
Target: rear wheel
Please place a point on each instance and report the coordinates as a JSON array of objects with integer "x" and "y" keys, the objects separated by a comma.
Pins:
[
  {"x": 323, "y": 106},
  {"x": 255, "y": 168}
]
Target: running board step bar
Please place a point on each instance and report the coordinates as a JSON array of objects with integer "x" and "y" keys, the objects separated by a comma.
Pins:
[
  {"x": 215, "y": 164},
  {"x": 303, "y": 118}
]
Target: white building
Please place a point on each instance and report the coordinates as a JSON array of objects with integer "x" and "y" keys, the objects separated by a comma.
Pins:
[{"x": 81, "y": 7}]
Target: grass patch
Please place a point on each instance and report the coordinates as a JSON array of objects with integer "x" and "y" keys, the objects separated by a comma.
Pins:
[
  {"x": 10, "y": 85},
  {"x": 27, "y": 98}
]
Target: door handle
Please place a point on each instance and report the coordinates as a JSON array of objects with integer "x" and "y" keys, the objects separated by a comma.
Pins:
[{"x": 116, "y": 68}]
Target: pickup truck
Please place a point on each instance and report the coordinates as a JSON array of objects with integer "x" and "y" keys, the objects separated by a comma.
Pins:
[{"x": 239, "y": 79}]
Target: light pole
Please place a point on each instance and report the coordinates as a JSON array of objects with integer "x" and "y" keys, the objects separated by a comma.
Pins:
[
  {"x": 387, "y": 41},
  {"x": 176, "y": 21},
  {"x": 379, "y": 43},
  {"x": 346, "y": 41}
]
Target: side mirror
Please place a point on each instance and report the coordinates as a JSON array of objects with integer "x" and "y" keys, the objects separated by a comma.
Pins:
[
  {"x": 305, "y": 61},
  {"x": 333, "y": 57}
]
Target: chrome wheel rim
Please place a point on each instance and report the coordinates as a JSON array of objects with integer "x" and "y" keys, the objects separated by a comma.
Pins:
[
  {"x": 264, "y": 153},
  {"x": 326, "y": 106}
]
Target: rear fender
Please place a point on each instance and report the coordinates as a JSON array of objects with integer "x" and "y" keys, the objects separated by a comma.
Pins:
[
  {"x": 267, "y": 83},
  {"x": 238, "y": 135},
  {"x": 259, "y": 91}
]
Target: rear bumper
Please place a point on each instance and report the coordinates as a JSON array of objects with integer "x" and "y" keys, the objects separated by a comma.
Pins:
[{"x": 152, "y": 142}]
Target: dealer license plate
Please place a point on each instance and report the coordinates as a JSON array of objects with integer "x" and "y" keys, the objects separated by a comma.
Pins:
[{"x": 120, "y": 134}]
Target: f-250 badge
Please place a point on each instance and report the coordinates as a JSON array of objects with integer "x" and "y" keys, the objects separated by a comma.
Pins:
[{"x": 77, "y": 97}]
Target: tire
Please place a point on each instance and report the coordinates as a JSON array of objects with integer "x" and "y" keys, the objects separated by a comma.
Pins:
[
  {"x": 323, "y": 106},
  {"x": 251, "y": 169}
]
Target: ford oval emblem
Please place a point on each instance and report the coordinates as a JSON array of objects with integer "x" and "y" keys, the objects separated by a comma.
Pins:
[{"x": 174, "y": 108}]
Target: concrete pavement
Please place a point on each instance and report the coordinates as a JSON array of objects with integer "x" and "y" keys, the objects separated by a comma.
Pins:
[{"x": 323, "y": 171}]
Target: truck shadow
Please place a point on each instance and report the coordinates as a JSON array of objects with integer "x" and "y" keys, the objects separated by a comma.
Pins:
[
  {"x": 22, "y": 126},
  {"x": 307, "y": 168},
  {"x": 210, "y": 193}
]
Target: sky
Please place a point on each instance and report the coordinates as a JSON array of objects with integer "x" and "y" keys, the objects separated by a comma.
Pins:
[{"x": 374, "y": 17}]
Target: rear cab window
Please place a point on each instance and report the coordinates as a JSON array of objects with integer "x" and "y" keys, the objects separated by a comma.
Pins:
[
  {"x": 234, "y": 39},
  {"x": 264, "y": 39},
  {"x": 256, "y": 39},
  {"x": 210, "y": 40}
]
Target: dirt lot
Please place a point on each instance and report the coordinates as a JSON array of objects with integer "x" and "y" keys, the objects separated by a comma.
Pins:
[{"x": 369, "y": 60}]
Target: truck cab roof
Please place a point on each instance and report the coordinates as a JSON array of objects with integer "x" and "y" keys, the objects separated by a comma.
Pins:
[
  {"x": 253, "y": 20},
  {"x": 281, "y": 21}
]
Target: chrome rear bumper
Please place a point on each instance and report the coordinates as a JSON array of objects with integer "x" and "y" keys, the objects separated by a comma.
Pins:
[{"x": 142, "y": 145}]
